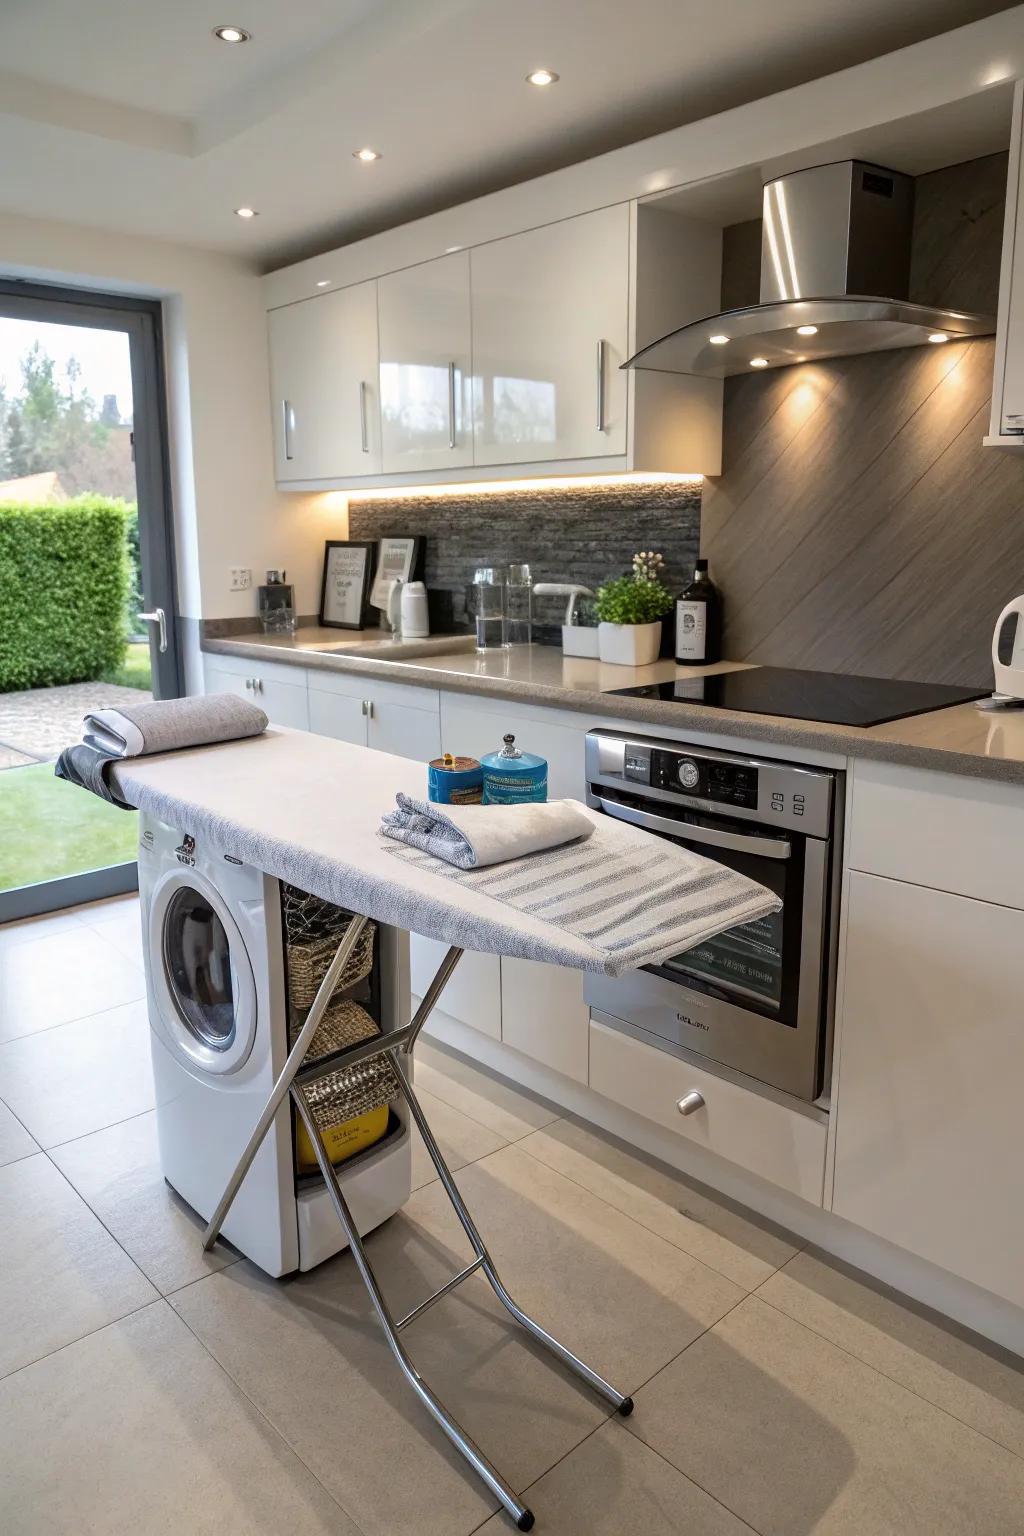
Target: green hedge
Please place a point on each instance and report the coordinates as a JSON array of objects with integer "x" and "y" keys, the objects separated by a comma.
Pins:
[{"x": 63, "y": 585}]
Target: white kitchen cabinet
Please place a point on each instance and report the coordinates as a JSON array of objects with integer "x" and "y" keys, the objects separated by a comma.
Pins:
[
  {"x": 472, "y": 726},
  {"x": 550, "y": 331},
  {"x": 425, "y": 363},
  {"x": 472, "y": 995},
  {"x": 283, "y": 698},
  {"x": 931, "y": 1079},
  {"x": 1008, "y": 379},
  {"x": 372, "y": 712},
  {"x": 544, "y": 1016},
  {"x": 323, "y": 380}
]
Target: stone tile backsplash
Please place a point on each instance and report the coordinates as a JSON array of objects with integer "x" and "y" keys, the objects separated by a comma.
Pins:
[{"x": 584, "y": 534}]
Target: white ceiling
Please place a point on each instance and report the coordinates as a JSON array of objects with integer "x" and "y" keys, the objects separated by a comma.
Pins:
[{"x": 129, "y": 115}]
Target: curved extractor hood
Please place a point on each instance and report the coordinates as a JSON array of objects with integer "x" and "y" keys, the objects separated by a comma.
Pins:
[{"x": 841, "y": 231}]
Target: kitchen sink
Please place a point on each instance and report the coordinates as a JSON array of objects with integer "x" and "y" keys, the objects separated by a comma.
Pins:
[{"x": 402, "y": 650}]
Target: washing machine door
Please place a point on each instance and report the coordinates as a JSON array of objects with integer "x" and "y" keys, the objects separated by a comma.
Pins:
[{"x": 201, "y": 974}]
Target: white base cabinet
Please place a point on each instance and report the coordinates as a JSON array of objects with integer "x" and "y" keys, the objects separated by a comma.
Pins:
[
  {"x": 279, "y": 690},
  {"x": 473, "y": 994},
  {"x": 931, "y": 1079}
]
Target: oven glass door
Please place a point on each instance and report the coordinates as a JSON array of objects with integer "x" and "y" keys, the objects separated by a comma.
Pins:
[{"x": 755, "y": 965}]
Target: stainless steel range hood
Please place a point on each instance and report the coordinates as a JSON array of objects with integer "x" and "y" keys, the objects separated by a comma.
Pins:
[{"x": 833, "y": 239}]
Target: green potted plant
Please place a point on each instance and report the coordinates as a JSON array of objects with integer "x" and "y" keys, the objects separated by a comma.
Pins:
[{"x": 630, "y": 610}]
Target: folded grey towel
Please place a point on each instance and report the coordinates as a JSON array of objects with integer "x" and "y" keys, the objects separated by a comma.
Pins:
[
  {"x": 87, "y": 767},
  {"x": 470, "y": 836},
  {"x": 167, "y": 725}
]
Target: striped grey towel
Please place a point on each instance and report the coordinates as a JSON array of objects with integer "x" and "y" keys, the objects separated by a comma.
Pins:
[{"x": 637, "y": 898}]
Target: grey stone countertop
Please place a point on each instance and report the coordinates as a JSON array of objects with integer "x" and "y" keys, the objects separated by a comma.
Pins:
[{"x": 961, "y": 739}]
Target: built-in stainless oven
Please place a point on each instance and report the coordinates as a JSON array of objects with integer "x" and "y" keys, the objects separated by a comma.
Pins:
[{"x": 759, "y": 997}]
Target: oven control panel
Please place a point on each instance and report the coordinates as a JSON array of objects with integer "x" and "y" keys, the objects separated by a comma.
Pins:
[{"x": 751, "y": 789}]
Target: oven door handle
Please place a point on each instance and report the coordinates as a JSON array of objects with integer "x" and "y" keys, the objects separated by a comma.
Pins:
[{"x": 739, "y": 842}]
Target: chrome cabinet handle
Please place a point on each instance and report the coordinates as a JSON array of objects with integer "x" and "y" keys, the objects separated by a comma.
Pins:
[
  {"x": 690, "y": 1102},
  {"x": 364, "y": 433},
  {"x": 601, "y": 386},
  {"x": 368, "y": 708},
  {"x": 288, "y": 419},
  {"x": 159, "y": 618},
  {"x": 741, "y": 842},
  {"x": 451, "y": 405}
]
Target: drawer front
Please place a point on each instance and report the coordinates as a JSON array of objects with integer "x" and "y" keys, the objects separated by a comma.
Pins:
[
  {"x": 247, "y": 666},
  {"x": 939, "y": 830},
  {"x": 413, "y": 733},
  {"x": 779, "y": 1144},
  {"x": 331, "y": 714}
]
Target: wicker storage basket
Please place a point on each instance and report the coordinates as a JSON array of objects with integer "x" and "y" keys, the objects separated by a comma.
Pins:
[{"x": 309, "y": 959}]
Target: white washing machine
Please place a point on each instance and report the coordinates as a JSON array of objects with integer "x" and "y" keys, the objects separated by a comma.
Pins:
[{"x": 215, "y": 984}]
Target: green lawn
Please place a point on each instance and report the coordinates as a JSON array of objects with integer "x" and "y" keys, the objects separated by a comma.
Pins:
[
  {"x": 135, "y": 670},
  {"x": 49, "y": 828}
]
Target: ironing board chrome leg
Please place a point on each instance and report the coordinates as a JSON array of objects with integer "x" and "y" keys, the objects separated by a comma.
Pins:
[
  {"x": 456, "y": 1434},
  {"x": 624, "y": 1405},
  {"x": 295, "y": 1056}
]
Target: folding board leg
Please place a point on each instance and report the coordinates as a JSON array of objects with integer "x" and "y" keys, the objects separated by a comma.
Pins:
[
  {"x": 622, "y": 1404},
  {"x": 522, "y": 1516}
]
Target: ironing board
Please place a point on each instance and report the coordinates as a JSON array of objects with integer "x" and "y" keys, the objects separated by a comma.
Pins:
[{"x": 306, "y": 809}]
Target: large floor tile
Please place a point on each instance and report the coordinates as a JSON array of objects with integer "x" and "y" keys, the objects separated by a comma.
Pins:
[
  {"x": 136, "y": 1431},
  {"x": 490, "y": 1101},
  {"x": 311, "y": 1355},
  {"x": 613, "y": 1485},
  {"x": 15, "y": 1141},
  {"x": 797, "y": 1436},
  {"x": 620, "y": 1297},
  {"x": 461, "y": 1140},
  {"x": 117, "y": 1173},
  {"x": 69, "y": 1081},
  {"x": 65, "y": 975},
  {"x": 123, "y": 930},
  {"x": 109, "y": 909},
  {"x": 26, "y": 930},
  {"x": 972, "y": 1380},
  {"x": 735, "y": 1243},
  {"x": 61, "y": 1274}
]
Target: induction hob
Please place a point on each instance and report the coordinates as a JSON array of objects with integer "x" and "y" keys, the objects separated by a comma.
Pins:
[{"x": 835, "y": 698}]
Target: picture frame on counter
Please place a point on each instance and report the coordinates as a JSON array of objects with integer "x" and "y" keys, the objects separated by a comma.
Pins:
[
  {"x": 348, "y": 565},
  {"x": 399, "y": 558}
]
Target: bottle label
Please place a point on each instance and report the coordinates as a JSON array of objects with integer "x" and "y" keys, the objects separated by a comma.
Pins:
[{"x": 691, "y": 631}]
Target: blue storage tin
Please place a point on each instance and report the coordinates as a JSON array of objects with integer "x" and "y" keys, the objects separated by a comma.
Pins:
[
  {"x": 512, "y": 777},
  {"x": 455, "y": 780}
]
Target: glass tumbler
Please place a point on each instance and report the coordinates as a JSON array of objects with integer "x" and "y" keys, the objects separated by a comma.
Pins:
[
  {"x": 487, "y": 603},
  {"x": 519, "y": 605}
]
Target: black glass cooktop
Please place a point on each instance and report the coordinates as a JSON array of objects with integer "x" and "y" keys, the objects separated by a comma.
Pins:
[{"x": 835, "y": 697}]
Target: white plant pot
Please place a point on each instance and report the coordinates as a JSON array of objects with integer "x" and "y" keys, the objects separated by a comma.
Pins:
[{"x": 629, "y": 645}]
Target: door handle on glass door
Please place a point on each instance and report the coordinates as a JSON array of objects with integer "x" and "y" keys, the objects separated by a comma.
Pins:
[{"x": 159, "y": 618}]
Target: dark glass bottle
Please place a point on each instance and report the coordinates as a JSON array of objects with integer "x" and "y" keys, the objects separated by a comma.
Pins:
[{"x": 699, "y": 621}]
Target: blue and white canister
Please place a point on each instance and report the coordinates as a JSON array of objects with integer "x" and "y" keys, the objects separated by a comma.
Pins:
[{"x": 512, "y": 777}]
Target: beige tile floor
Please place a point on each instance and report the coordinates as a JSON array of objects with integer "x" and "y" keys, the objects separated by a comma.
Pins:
[{"x": 145, "y": 1388}]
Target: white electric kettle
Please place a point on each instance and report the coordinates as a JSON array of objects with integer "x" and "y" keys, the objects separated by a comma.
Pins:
[{"x": 1010, "y": 675}]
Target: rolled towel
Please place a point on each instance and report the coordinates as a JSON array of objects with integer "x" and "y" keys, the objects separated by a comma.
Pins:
[
  {"x": 470, "y": 836},
  {"x": 167, "y": 725}
]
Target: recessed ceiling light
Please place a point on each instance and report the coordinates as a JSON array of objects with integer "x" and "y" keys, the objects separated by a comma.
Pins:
[
  {"x": 807, "y": 330},
  {"x": 246, "y": 213},
  {"x": 366, "y": 155},
  {"x": 324, "y": 282},
  {"x": 542, "y": 77},
  {"x": 938, "y": 336},
  {"x": 759, "y": 362},
  {"x": 232, "y": 34},
  {"x": 718, "y": 341}
]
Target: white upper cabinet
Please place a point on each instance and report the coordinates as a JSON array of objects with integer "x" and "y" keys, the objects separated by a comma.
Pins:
[
  {"x": 426, "y": 416},
  {"x": 550, "y": 329},
  {"x": 323, "y": 382},
  {"x": 1008, "y": 383}
]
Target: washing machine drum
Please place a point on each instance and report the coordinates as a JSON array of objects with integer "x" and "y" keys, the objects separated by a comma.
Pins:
[{"x": 207, "y": 1001}]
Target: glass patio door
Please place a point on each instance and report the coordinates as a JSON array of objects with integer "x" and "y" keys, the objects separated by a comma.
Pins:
[{"x": 87, "y": 607}]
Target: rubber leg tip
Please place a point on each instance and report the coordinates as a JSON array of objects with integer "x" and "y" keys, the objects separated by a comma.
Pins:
[
  {"x": 626, "y": 1407},
  {"x": 525, "y": 1521}
]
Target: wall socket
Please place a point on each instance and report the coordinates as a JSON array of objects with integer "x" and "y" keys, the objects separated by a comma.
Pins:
[{"x": 240, "y": 578}]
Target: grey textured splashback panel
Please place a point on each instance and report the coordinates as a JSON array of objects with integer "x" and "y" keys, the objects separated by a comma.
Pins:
[
  {"x": 583, "y": 534},
  {"x": 859, "y": 524}
]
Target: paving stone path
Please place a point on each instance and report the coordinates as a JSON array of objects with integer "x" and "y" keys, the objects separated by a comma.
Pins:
[{"x": 36, "y": 724}]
